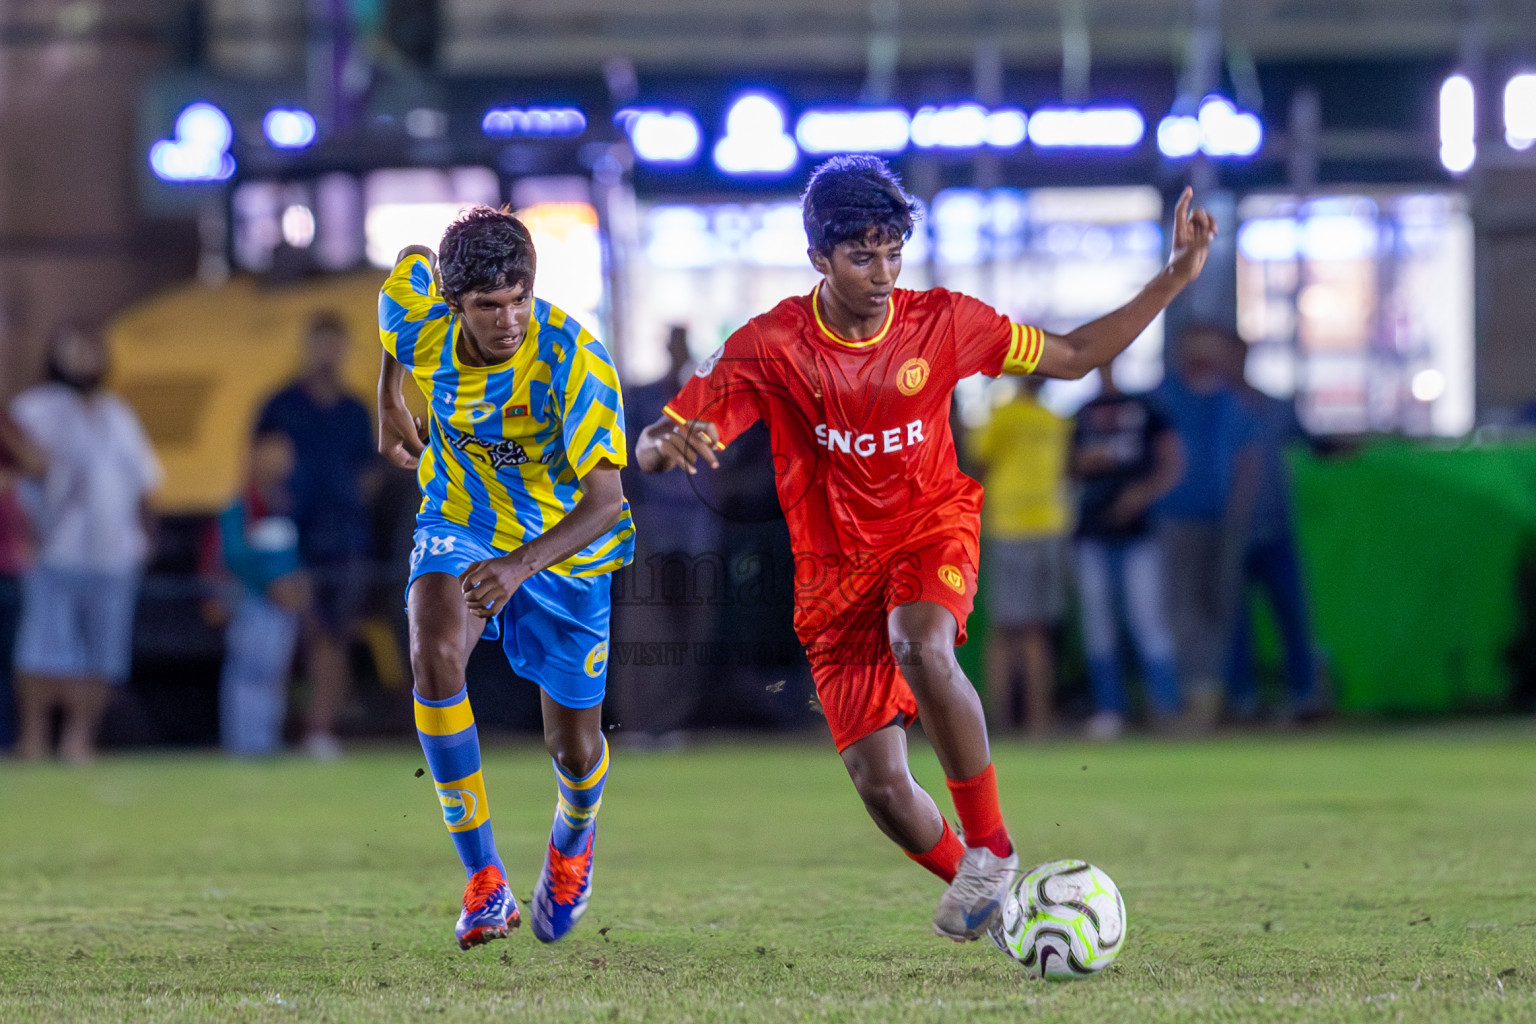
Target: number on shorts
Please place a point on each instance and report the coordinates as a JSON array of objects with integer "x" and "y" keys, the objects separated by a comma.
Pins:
[{"x": 433, "y": 546}]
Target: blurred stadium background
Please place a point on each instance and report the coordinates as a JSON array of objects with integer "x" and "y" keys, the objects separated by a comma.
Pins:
[{"x": 202, "y": 176}]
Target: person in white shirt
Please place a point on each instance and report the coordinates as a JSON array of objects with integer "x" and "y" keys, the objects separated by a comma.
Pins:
[{"x": 89, "y": 511}]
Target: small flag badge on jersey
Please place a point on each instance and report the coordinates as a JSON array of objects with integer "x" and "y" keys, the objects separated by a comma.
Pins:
[{"x": 518, "y": 410}]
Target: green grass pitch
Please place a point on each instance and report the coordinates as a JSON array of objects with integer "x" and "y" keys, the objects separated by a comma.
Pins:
[{"x": 1337, "y": 877}]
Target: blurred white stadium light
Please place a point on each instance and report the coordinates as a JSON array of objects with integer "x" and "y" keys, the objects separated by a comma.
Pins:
[
  {"x": 1006, "y": 128},
  {"x": 1520, "y": 111},
  {"x": 1219, "y": 129},
  {"x": 1086, "y": 127},
  {"x": 853, "y": 130},
  {"x": 755, "y": 142},
  {"x": 1458, "y": 124},
  {"x": 298, "y": 226},
  {"x": 661, "y": 136},
  {"x": 967, "y": 126},
  {"x": 1343, "y": 237},
  {"x": 1273, "y": 239},
  {"x": 200, "y": 150},
  {"x": 533, "y": 122},
  {"x": 960, "y": 126},
  {"x": 289, "y": 127},
  {"x": 1227, "y": 131},
  {"x": 1178, "y": 136},
  {"x": 1428, "y": 385}
]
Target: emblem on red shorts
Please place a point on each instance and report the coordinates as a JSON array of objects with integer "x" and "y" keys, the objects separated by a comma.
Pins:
[
  {"x": 952, "y": 578},
  {"x": 912, "y": 375}
]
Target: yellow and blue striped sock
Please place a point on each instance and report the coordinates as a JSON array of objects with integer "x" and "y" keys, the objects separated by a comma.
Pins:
[
  {"x": 576, "y": 813},
  {"x": 448, "y": 737}
]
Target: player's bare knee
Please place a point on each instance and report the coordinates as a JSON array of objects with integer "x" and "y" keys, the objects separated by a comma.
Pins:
[
  {"x": 923, "y": 656},
  {"x": 437, "y": 667},
  {"x": 575, "y": 753},
  {"x": 883, "y": 791},
  {"x": 883, "y": 798}
]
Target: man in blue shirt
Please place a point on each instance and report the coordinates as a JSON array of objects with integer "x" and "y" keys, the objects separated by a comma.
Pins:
[
  {"x": 1203, "y": 520},
  {"x": 335, "y": 462},
  {"x": 1271, "y": 559}
]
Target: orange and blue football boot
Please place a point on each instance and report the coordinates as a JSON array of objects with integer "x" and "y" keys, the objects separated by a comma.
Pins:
[
  {"x": 560, "y": 897},
  {"x": 490, "y": 910}
]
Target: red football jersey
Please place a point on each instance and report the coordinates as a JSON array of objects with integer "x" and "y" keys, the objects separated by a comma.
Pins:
[{"x": 863, "y": 454}]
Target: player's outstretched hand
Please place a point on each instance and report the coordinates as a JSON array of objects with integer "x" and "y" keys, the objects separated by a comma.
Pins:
[
  {"x": 666, "y": 445},
  {"x": 489, "y": 585},
  {"x": 1192, "y": 235}
]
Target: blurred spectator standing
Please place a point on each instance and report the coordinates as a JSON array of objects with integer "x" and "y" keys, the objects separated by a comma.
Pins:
[
  {"x": 670, "y": 596},
  {"x": 335, "y": 468},
  {"x": 1125, "y": 456},
  {"x": 19, "y": 459},
  {"x": 768, "y": 683},
  {"x": 1270, "y": 560},
  {"x": 89, "y": 512},
  {"x": 1022, "y": 452},
  {"x": 259, "y": 546},
  {"x": 1204, "y": 519}
]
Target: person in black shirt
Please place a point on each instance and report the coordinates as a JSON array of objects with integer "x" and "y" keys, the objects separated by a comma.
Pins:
[
  {"x": 336, "y": 468},
  {"x": 1124, "y": 457}
]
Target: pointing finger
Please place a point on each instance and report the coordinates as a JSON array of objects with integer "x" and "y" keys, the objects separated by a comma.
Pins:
[{"x": 1181, "y": 210}]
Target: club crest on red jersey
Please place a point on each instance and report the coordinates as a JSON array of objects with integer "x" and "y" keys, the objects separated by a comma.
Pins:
[
  {"x": 952, "y": 578},
  {"x": 912, "y": 376}
]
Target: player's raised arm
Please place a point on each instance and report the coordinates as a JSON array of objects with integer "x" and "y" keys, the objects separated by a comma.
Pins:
[
  {"x": 418, "y": 250},
  {"x": 1076, "y": 353},
  {"x": 406, "y": 297}
]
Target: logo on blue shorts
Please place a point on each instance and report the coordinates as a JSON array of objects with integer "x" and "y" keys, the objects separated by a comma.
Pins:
[{"x": 597, "y": 658}]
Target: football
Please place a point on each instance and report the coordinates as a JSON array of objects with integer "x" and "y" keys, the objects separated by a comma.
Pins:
[{"x": 1064, "y": 919}]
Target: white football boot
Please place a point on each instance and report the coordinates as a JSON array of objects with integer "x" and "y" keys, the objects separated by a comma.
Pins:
[{"x": 975, "y": 897}]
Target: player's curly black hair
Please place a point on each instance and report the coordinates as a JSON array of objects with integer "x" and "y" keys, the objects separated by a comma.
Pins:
[
  {"x": 485, "y": 249},
  {"x": 855, "y": 197}
]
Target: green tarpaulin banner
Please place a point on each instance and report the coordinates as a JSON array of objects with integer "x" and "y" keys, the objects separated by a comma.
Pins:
[{"x": 1411, "y": 554}]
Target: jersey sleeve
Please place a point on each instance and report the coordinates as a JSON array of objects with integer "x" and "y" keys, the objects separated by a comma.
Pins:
[
  {"x": 407, "y": 302},
  {"x": 725, "y": 389},
  {"x": 988, "y": 342},
  {"x": 591, "y": 406}
]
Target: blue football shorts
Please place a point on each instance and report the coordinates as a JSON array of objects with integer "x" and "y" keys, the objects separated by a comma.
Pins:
[{"x": 554, "y": 630}]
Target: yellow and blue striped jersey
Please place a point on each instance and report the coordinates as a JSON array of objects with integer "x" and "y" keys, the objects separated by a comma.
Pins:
[{"x": 509, "y": 443}]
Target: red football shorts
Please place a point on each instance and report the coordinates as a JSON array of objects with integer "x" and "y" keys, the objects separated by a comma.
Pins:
[{"x": 842, "y": 604}]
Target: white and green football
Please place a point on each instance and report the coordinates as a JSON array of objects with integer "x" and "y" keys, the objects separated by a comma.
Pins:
[{"x": 1063, "y": 919}]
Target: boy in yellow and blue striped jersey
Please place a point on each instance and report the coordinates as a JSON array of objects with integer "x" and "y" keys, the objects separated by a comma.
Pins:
[{"x": 522, "y": 520}]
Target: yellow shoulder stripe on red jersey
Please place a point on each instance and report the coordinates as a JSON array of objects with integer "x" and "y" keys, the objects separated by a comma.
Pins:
[
  {"x": 1024, "y": 350},
  {"x": 682, "y": 420}
]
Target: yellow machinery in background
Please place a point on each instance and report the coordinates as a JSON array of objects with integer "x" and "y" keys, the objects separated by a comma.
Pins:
[{"x": 197, "y": 362}]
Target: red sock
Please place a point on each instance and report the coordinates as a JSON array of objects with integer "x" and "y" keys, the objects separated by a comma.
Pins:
[
  {"x": 980, "y": 816},
  {"x": 944, "y": 859}
]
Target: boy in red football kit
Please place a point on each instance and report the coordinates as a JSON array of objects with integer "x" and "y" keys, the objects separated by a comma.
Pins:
[{"x": 854, "y": 382}]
